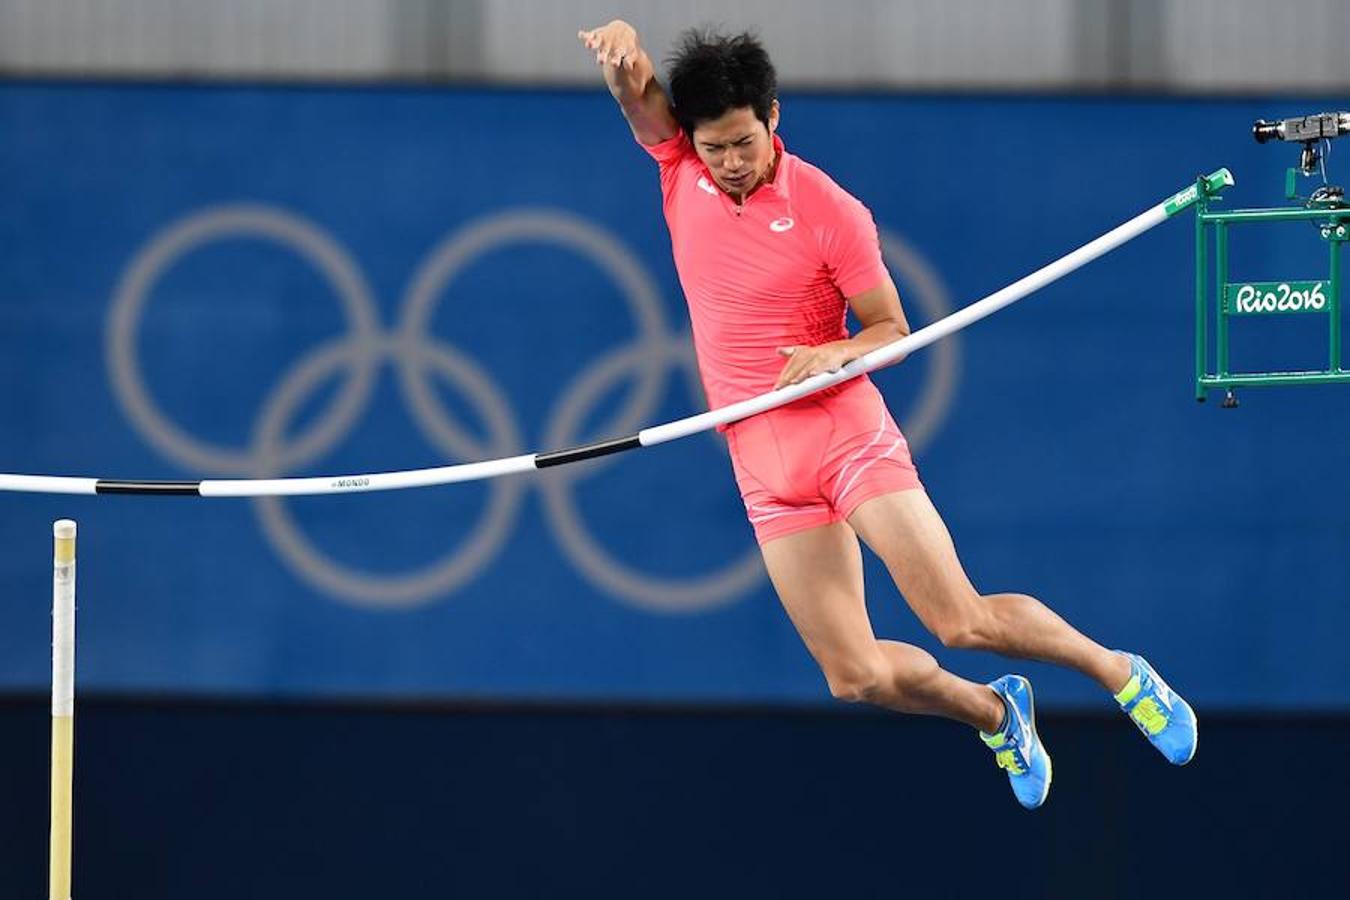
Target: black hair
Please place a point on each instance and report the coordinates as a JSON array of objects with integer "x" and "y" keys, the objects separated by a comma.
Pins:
[{"x": 712, "y": 73}]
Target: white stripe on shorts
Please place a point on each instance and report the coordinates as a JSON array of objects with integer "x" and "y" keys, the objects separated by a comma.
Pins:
[
  {"x": 881, "y": 429},
  {"x": 867, "y": 465}
]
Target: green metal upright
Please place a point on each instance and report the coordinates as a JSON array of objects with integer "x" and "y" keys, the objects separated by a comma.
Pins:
[
  {"x": 1220, "y": 279},
  {"x": 1201, "y": 336},
  {"x": 1334, "y": 298}
]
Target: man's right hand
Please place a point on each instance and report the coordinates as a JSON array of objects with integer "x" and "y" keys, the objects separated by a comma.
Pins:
[
  {"x": 619, "y": 57},
  {"x": 615, "y": 44},
  {"x": 632, "y": 80}
]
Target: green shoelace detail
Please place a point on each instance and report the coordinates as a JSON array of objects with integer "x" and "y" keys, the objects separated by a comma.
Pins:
[
  {"x": 1150, "y": 717},
  {"x": 1007, "y": 759}
]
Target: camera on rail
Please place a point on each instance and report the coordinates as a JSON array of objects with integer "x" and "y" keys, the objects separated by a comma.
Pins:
[
  {"x": 1322, "y": 126},
  {"x": 1310, "y": 131}
]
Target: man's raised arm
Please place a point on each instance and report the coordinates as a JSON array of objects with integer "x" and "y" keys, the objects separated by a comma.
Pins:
[{"x": 631, "y": 78}]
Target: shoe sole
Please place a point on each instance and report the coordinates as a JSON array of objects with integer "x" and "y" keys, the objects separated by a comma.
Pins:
[{"x": 1195, "y": 744}]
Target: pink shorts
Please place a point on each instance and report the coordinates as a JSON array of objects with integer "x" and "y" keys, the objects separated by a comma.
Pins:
[{"x": 814, "y": 461}]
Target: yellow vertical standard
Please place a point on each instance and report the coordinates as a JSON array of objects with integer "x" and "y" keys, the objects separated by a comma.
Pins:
[{"x": 63, "y": 704}]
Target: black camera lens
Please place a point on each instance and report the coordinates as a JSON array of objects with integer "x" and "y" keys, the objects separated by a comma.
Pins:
[{"x": 1265, "y": 131}]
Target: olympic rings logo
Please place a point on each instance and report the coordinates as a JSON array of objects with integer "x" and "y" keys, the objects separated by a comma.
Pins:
[{"x": 415, "y": 354}]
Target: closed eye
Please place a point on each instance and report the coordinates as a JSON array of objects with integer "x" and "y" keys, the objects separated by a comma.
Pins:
[{"x": 743, "y": 142}]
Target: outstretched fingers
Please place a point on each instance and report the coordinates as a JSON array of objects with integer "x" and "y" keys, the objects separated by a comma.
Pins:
[{"x": 612, "y": 46}]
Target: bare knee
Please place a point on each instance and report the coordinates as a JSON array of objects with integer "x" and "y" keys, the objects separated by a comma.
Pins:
[
  {"x": 969, "y": 626},
  {"x": 857, "y": 680}
]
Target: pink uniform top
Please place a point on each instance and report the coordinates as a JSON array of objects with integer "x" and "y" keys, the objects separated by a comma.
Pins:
[{"x": 772, "y": 272}]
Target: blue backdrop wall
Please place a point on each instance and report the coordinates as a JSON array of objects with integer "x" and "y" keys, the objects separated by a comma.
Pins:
[{"x": 239, "y": 281}]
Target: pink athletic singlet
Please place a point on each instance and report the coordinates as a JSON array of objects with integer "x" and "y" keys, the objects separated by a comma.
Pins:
[{"x": 774, "y": 272}]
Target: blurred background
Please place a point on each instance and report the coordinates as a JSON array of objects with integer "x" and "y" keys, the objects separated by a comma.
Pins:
[{"x": 289, "y": 237}]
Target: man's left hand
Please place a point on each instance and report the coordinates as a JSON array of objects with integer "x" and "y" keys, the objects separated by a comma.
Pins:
[{"x": 803, "y": 362}]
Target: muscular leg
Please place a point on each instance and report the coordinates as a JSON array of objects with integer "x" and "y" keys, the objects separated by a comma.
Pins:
[
  {"x": 908, "y": 534},
  {"x": 819, "y": 579}
]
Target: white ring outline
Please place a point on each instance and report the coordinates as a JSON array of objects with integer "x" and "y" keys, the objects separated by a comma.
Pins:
[
  {"x": 553, "y": 228},
  {"x": 576, "y": 541},
  {"x": 427, "y": 582},
  {"x": 132, "y": 295},
  {"x": 922, "y": 425}
]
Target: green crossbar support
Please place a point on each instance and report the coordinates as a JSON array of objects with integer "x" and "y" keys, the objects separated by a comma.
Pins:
[{"x": 1295, "y": 296}]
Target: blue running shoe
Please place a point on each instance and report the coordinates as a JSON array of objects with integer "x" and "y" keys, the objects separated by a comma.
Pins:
[
  {"x": 1165, "y": 719},
  {"x": 1017, "y": 747}
]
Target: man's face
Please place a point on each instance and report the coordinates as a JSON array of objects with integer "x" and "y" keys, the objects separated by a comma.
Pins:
[{"x": 737, "y": 148}]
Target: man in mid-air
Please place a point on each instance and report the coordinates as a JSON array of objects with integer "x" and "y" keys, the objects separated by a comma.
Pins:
[{"x": 772, "y": 254}]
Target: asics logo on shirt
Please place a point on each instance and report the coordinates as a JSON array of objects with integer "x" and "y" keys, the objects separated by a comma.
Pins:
[
  {"x": 781, "y": 225},
  {"x": 706, "y": 185}
]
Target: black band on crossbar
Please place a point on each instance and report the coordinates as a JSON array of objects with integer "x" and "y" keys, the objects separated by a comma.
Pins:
[
  {"x": 586, "y": 451},
  {"x": 179, "y": 488}
]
